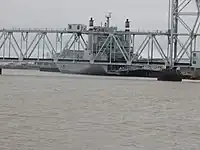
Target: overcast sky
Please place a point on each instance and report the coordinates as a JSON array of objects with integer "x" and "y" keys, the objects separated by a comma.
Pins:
[{"x": 148, "y": 14}]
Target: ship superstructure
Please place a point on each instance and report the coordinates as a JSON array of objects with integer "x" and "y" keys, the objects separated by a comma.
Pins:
[
  {"x": 102, "y": 46},
  {"x": 105, "y": 42}
]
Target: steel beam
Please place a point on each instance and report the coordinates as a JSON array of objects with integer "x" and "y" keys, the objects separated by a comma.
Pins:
[{"x": 178, "y": 20}]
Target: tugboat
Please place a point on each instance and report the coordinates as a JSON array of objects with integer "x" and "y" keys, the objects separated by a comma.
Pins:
[{"x": 169, "y": 74}]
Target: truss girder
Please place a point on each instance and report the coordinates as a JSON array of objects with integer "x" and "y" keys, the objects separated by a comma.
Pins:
[
  {"x": 40, "y": 42},
  {"x": 26, "y": 44},
  {"x": 178, "y": 16}
]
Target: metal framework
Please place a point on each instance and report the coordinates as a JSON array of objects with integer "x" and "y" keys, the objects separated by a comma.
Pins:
[
  {"x": 35, "y": 43},
  {"x": 168, "y": 47},
  {"x": 148, "y": 46},
  {"x": 184, "y": 14}
]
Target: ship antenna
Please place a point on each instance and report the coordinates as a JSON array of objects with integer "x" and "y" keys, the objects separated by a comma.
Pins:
[{"x": 108, "y": 19}]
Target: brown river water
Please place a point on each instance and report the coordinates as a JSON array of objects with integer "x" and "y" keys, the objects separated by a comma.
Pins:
[{"x": 48, "y": 111}]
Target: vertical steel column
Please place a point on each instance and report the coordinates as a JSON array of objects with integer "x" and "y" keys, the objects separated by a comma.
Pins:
[
  {"x": 176, "y": 10},
  {"x": 26, "y": 43},
  {"x": 9, "y": 46},
  {"x": 61, "y": 42},
  {"x": 43, "y": 43},
  {"x": 4, "y": 45},
  {"x": 152, "y": 47},
  {"x": 172, "y": 34}
]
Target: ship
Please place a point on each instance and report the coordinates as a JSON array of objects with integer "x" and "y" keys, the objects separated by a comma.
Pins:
[
  {"x": 82, "y": 61},
  {"x": 82, "y": 66},
  {"x": 79, "y": 61}
]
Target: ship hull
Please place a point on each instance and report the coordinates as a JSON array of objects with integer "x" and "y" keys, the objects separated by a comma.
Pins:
[
  {"x": 140, "y": 73},
  {"x": 49, "y": 69},
  {"x": 83, "y": 68}
]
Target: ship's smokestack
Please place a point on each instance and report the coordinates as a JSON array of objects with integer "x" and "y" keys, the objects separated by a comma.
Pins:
[
  {"x": 127, "y": 25},
  {"x": 91, "y": 23},
  {"x": 90, "y": 36},
  {"x": 127, "y": 36}
]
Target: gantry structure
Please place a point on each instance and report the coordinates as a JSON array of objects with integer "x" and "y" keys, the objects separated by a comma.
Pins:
[{"x": 170, "y": 47}]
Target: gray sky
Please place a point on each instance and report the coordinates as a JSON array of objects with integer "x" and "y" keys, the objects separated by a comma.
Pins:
[{"x": 148, "y": 14}]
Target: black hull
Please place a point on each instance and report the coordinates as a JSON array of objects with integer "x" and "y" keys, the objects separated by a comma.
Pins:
[
  {"x": 49, "y": 69},
  {"x": 139, "y": 73},
  {"x": 170, "y": 75},
  {"x": 20, "y": 68}
]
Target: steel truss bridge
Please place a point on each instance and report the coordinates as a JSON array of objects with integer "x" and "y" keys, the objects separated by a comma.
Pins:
[{"x": 168, "y": 47}]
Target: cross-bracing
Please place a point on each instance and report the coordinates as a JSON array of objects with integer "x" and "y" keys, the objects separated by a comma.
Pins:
[{"x": 156, "y": 47}]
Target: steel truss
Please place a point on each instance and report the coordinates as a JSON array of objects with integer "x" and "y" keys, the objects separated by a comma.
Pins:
[
  {"x": 27, "y": 44},
  {"x": 133, "y": 54},
  {"x": 76, "y": 42},
  {"x": 175, "y": 44},
  {"x": 36, "y": 43},
  {"x": 180, "y": 11}
]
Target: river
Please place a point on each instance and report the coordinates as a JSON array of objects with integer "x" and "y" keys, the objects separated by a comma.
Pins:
[{"x": 48, "y": 111}]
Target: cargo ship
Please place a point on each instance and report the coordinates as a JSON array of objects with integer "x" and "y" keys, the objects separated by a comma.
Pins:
[{"x": 95, "y": 43}]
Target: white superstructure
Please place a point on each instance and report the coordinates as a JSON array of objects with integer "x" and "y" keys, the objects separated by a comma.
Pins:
[{"x": 99, "y": 49}]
